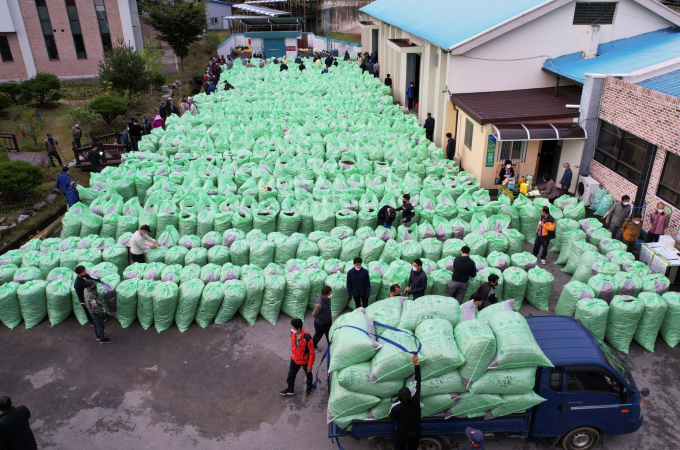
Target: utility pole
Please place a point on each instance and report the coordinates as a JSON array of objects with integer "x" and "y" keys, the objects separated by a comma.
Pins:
[{"x": 328, "y": 33}]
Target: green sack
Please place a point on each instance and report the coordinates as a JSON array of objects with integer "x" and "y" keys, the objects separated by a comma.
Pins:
[
  {"x": 477, "y": 343},
  {"x": 10, "y": 310},
  {"x": 562, "y": 226},
  {"x": 432, "y": 249},
  {"x": 187, "y": 302},
  {"x": 628, "y": 283},
  {"x": 272, "y": 298},
  {"x": 516, "y": 346},
  {"x": 234, "y": 295},
  {"x": 59, "y": 303},
  {"x": 514, "y": 404},
  {"x": 219, "y": 255},
  {"x": 575, "y": 212},
  {"x": 116, "y": 255},
  {"x": 351, "y": 248},
  {"x": 197, "y": 255},
  {"x": 604, "y": 286},
  {"x": 109, "y": 225},
  {"x": 48, "y": 263},
  {"x": 12, "y": 257},
  {"x": 584, "y": 271},
  {"x": 655, "y": 283},
  {"x": 338, "y": 283},
  {"x": 156, "y": 255},
  {"x": 592, "y": 313},
  {"x": 190, "y": 272},
  {"x": 599, "y": 235},
  {"x": 357, "y": 378},
  {"x": 429, "y": 307},
  {"x": 392, "y": 363},
  {"x": 343, "y": 402},
  {"x": 529, "y": 216},
  {"x": 211, "y": 300},
  {"x": 652, "y": 317},
  {"x": 261, "y": 253},
  {"x": 187, "y": 223},
  {"x": 515, "y": 281},
  {"x": 477, "y": 244},
  {"x": 126, "y": 302},
  {"x": 145, "y": 312},
  {"x": 622, "y": 321},
  {"x": 578, "y": 248},
  {"x": 371, "y": 250},
  {"x": 498, "y": 260},
  {"x": 350, "y": 345},
  {"x": 306, "y": 249},
  {"x": 205, "y": 222},
  {"x": 71, "y": 225},
  {"x": 496, "y": 242},
  {"x": 391, "y": 252},
  {"x": 189, "y": 241},
  {"x": 7, "y": 271},
  {"x": 515, "y": 240},
  {"x": 568, "y": 238},
  {"x": 165, "y": 298},
  {"x": 438, "y": 403},
  {"x": 539, "y": 287},
  {"x": 33, "y": 301},
  {"x": 505, "y": 381},
  {"x": 443, "y": 384},
  {"x": 297, "y": 293},
  {"x": 439, "y": 351},
  {"x": 134, "y": 271},
  {"x": 670, "y": 332},
  {"x": 572, "y": 293},
  {"x": 317, "y": 280},
  {"x": 169, "y": 237},
  {"x": 489, "y": 311},
  {"x": 611, "y": 245},
  {"x": 470, "y": 404},
  {"x": 211, "y": 239},
  {"x": 254, "y": 285},
  {"x": 26, "y": 274},
  {"x": 329, "y": 248},
  {"x": 386, "y": 312},
  {"x": 90, "y": 224},
  {"x": 525, "y": 261},
  {"x": 635, "y": 267}
]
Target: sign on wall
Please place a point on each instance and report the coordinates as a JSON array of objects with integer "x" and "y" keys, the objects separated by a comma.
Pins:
[
  {"x": 290, "y": 48},
  {"x": 490, "y": 151}
]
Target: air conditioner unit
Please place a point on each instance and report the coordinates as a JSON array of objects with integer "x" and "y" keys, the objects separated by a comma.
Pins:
[{"x": 585, "y": 189}]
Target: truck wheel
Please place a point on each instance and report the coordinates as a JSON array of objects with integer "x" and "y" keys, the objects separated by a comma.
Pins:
[
  {"x": 584, "y": 438},
  {"x": 430, "y": 443}
]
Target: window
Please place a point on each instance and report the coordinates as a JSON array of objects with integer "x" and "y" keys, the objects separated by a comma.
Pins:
[
  {"x": 77, "y": 33},
  {"x": 212, "y": 21},
  {"x": 555, "y": 382},
  {"x": 621, "y": 151},
  {"x": 469, "y": 129},
  {"x": 512, "y": 150},
  {"x": 669, "y": 185},
  {"x": 591, "y": 382},
  {"x": 46, "y": 26},
  {"x": 5, "y": 51},
  {"x": 590, "y": 13},
  {"x": 100, "y": 9}
]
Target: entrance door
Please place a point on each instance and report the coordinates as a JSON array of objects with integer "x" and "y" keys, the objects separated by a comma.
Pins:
[
  {"x": 274, "y": 47},
  {"x": 548, "y": 162},
  {"x": 374, "y": 40},
  {"x": 413, "y": 75}
]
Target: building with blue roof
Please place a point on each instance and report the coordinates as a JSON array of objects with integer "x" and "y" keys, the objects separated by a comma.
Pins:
[{"x": 668, "y": 83}]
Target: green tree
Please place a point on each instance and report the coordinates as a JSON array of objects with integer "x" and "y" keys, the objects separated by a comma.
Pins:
[
  {"x": 108, "y": 106},
  {"x": 18, "y": 178},
  {"x": 124, "y": 69},
  {"x": 31, "y": 123},
  {"x": 44, "y": 87},
  {"x": 5, "y": 102},
  {"x": 152, "y": 54},
  {"x": 180, "y": 23},
  {"x": 12, "y": 90}
]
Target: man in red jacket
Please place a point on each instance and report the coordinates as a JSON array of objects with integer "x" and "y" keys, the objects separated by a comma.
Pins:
[{"x": 301, "y": 355}]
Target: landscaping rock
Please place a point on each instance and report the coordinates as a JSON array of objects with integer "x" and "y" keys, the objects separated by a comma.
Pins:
[
  {"x": 23, "y": 217},
  {"x": 39, "y": 205},
  {"x": 50, "y": 198}
]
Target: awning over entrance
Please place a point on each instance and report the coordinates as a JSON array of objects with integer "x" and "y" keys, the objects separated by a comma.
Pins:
[{"x": 538, "y": 131}]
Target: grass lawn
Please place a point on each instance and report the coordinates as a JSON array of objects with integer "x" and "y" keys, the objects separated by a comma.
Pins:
[{"x": 347, "y": 37}]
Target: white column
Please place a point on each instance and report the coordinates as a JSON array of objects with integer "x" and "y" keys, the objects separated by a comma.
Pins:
[
  {"x": 22, "y": 36},
  {"x": 126, "y": 22}
]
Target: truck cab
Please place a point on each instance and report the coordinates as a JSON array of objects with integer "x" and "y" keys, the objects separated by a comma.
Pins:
[{"x": 590, "y": 392}]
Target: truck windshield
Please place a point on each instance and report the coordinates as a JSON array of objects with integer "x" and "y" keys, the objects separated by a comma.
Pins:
[{"x": 615, "y": 363}]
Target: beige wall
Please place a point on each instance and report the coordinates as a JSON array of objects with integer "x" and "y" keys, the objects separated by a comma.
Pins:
[
  {"x": 13, "y": 70},
  {"x": 572, "y": 151}
]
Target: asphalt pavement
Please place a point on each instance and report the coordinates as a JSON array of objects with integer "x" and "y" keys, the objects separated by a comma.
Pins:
[{"x": 218, "y": 388}]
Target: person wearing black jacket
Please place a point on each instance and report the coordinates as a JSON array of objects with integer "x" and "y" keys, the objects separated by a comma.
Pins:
[
  {"x": 408, "y": 209},
  {"x": 358, "y": 284},
  {"x": 450, "y": 147},
  {"x": 386, "y": 216},
  {"x": 479, "y": 303},
  {"x": 506, "y": 172},
  {"x": 15, "y": 431},
  {"x": 95, "y": 159},
  {"x": 135, "y": 131},
  {"x": 406, "y": 412},
  {"x": 82, "y": 281},
  {"x": 283, "y": 67},
  {"x": 429, "y": 127},
  {"x": 388, "y": 81},
  {"x": 463, "y": 269},
  {"x": 487, "y": 291},
  {"x": 417, "y": 280},
  {"x": 170, "y": 107},
  {"x": 328, "y": 61}
]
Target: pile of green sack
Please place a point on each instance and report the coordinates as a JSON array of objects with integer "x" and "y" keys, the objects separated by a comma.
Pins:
[{"x": 470, "y": 367}]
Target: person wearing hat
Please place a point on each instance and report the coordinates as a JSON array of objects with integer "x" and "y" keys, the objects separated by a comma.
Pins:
[
  {"x": 429, "y": 127},
  {"x": 63, "y": 180},
  {"x": 476, "y": 438},
  {"x": 77, "y": 133},
  {"x": 407, "y": 413},
  {"x": 51, "y": 146},
  {"x": 72, "y": 195},
  {"x": 138, "y": 244}
]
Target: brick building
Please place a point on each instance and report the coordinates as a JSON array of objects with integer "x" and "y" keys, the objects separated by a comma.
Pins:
[{"x": 63, "y": 37}]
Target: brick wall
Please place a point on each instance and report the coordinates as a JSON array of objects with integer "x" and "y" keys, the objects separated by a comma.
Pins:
[
  {"x": 652, "y": 116},
  {"x": 68, "y": 64},
  {"x": 13, "y": 70}
]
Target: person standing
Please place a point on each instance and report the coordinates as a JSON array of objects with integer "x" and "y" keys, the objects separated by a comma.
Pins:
[
  {"x": 229, "y": 63},
  {"x": 97, "y": 311},
  {"x": 369, "y": 68},
  {"x": 125, "y": 139},
  {"x": 549, "y": 190},
  {"x": 406, "y": 412},
  {"x": 376, "y": 69},
  {"x": 170, "y": 107},
  {"x": 408, "y": 210},
  {"x": 346, "y": 55},
  {"x": 301, "y": 356},
  {"x": 388, "y": 82},
  {"x": 147, "y": 125},
  {"x": 157, "y": 122},
  {"x": 358, "y": 284},
  {"x": 301, "y": 67},
  {"x": 72, "y": 195},
  {"x": 417, "y": 281},
  {"x": 329, "y": 60},
  {"x": 298, "y": 60},
  {"x": 51, "y": 147},
  {"x": 410, "y": 95},
  {"x": 82, "y": 281},
  {"x": 15, "y": 431},
  {"x": 95, "y": 159},
  {"x": 77, "y": 134},
  {"x": 464, "y": 268},
  {"x": 476, "y": 438},
  {"x": 506, "y": 172},
  {"x": 184, "y": 106},
  {"x": 631, "y": 230},
  {"x": 138, "y": 243},
  {"x": 617, "y": 213},
  {"x": 135, "y": 134},
  {"x": 322, "y": 316},
  {"x": 63, "y": 180},
  {"x": 395, "y": 290},
  {"x": 658, "y": 221},
  {"x": 545, "y": 232},
  {"x": 429, "y": 127},
  {"x": 450, "y": 147},
  {"x": 565, "y": 183},
  {"x": 487, "y": 290}
]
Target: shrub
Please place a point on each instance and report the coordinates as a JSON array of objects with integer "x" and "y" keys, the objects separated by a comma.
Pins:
[
  {"x": 5, "y": 102},
  {"x": 18, "y": 178},
  {"x": 108, "y": 106},
  {"x": 157, "y": 80},
  {"x": 44, "y": 87},
  {"x": 12, "y": 90},
  {"x": 124, "y": 69}
]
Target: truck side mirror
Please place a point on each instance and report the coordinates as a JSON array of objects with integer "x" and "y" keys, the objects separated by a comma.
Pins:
[{"x": 644, "y": 392}]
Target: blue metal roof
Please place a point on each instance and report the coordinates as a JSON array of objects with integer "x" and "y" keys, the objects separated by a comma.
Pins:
[
  {"x": 620, "y": 56},
  {"x": 565, "y": 341},
  {"x": 448, "y": 22},
  {"x": 668, "y": 83}
]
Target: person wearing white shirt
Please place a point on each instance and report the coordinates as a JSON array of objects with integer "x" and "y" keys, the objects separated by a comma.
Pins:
[{"x": 138, "y": 244}]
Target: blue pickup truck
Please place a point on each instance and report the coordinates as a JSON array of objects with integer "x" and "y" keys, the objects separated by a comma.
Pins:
[{"x": 590, "y": 393}]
